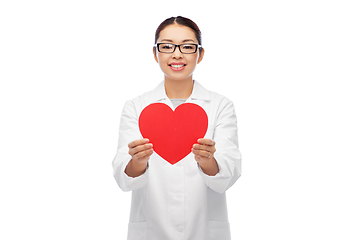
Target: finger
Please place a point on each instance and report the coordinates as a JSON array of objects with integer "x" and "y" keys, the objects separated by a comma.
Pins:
[
  {"x": 204, "y": 147},
  {"x": 202, "y": 153},
  {"x": 140, "y": 148},
  {"x": 205, "y": 141},
  {"x": 138, "y": 142},
  {"x": 201, "y": 159},
  {"x": 144, "y": 155}
]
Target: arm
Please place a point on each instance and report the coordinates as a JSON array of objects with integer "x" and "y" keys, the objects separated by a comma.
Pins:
[
  {"x": 128, "y": 175},
  {"x": 227, "y": 155}
]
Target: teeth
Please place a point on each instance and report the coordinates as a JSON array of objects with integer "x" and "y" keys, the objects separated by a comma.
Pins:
[{"x": 177, "y": 66}]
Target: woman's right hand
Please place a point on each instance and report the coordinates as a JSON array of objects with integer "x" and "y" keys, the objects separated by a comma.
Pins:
[{"x": 140, "y": 151}]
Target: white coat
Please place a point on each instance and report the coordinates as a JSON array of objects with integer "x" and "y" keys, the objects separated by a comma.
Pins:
[{"x": 180, "y": 202}]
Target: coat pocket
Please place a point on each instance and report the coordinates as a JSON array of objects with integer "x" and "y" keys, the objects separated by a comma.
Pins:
[
  {"x": 137, "y": 231},
  {"x": 219, "y": 230}
]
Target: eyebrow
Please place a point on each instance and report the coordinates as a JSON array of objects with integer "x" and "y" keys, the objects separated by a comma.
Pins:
[{"x": 169, "y": 40}]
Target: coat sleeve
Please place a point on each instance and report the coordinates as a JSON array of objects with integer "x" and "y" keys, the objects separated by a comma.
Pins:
[
  {"x": 227, "y": 153},
  {"x": 128, "y": 132}
]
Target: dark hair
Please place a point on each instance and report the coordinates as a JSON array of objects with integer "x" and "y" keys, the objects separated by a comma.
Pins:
[{"x": 181, "y": 21}]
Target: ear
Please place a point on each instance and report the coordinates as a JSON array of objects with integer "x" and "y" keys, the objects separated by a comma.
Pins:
[
  {"x": 155, "y": 56},
  {"x": 201, "y": 56}
]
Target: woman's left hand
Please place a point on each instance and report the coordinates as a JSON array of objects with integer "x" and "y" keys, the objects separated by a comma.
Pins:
[{"x": 204, "y": 154}]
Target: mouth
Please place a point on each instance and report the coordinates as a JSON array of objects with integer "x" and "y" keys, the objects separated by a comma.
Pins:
[{"x": 177, "y": 66}]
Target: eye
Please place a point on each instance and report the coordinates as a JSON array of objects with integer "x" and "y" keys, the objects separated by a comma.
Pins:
[
  {"x": 166, "y": 46},
  {"x": 189, "y": 47}
]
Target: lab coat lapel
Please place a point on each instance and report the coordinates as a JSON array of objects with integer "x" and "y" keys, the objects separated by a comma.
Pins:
[
  {"x": 199, "y": 92},
  {"x": 159, "y": 95}
]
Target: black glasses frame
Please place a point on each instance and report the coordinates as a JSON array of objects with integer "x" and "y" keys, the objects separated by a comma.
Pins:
[{"x": 196, "y": 45}]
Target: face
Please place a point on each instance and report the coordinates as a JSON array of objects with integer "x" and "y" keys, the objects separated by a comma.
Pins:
[{"x": 178, "y": 66}]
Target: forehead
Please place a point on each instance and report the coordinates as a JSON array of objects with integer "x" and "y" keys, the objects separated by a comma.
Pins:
[{"x": 177, "y": 33}]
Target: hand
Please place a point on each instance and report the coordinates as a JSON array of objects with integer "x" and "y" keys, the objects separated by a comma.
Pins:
[
  {"x": 204, "y": 155},
  {"x": 204, "y": 150},
  {"x": 140, "y": 151}
]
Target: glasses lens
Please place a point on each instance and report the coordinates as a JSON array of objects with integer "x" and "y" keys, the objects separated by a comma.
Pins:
[
  {"x": 166, "y": 47},
  {"x": 188, "y": 48}
]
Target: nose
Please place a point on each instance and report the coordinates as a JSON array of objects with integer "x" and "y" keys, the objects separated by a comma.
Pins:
[{"x": 177, "y": 53}]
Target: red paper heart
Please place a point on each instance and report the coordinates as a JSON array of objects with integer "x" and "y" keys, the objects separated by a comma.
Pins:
[{"x": 173, "y": 133}]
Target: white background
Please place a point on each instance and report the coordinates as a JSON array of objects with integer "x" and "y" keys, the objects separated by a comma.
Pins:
[{"x": 291, "y": 68}]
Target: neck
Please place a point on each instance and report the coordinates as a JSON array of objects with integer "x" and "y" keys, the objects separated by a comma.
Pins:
[{"x": 179, "y": 89}]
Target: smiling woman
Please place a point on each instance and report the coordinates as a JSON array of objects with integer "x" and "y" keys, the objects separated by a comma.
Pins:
[
  {"x": 178, "y": 197},
  {"x": 177, "y": 54}
]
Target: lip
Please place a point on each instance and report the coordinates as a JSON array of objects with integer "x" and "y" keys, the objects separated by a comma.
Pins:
[{"x": 177, "y": 68}]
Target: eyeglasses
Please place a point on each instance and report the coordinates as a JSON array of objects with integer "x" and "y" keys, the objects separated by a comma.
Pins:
[{"x": 184, "y": 48}]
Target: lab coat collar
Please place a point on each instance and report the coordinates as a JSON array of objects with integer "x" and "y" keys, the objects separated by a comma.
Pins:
[{"x": 199, "y": 92}]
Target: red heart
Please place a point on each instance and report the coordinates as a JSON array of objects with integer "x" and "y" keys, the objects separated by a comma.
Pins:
[{"x": 173, "y": 133}]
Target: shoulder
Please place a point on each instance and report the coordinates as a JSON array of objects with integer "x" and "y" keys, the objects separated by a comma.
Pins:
[
  {"x": 215, "y": 98},
  {"x": 153, "y": 95},
  {"x": 141, "y": 101}
]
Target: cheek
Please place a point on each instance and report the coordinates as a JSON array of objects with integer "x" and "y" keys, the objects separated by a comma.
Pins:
[
  {"x": 163, "y": 59},
  {"x": 192, "y": 59}
]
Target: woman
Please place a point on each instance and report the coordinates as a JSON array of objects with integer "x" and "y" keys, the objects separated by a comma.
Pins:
[{"x": 185, "y": 200}]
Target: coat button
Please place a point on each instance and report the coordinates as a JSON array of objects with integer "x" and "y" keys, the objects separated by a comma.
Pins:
[
  {"x": 180, "y": 228},
  {"x": 179, "y": 196}
]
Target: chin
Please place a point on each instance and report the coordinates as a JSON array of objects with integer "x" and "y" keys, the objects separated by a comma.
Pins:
[{"x": 178, "y": 78}]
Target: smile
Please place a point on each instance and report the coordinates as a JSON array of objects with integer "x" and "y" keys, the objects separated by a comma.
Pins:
[{"x": 177, "y": 66}]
